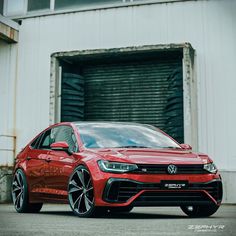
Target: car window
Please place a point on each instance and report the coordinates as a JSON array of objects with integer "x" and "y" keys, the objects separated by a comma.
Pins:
[
  {"x": 46, "y": 140},
  {"x": 66, "y": 134},
  {"x": 35, "y": 143}
]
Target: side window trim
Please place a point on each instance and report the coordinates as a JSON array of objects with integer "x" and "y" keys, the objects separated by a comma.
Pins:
[
  {"x": 75, "y": 140},
  {"x": 34, "y": 146},
  {"x": 38, "y": 140},
  {"x": 41, "y": 140},
  {"x": 72, "y": 134}
]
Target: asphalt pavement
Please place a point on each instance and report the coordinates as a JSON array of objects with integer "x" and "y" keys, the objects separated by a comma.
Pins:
[{"x": 59, "y": 220}]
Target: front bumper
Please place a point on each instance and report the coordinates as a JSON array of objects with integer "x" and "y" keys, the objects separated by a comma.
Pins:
[{"x": 131, "y": 192}]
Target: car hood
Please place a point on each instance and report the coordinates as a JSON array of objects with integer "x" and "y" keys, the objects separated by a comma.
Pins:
[{"x": 152, "y": 156}]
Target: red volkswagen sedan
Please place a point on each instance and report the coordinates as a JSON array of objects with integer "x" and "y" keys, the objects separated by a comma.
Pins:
[{"x": 98, "y": 167}]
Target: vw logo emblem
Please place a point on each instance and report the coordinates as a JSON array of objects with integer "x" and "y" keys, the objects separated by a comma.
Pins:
[{"x": 172, "y": 169}]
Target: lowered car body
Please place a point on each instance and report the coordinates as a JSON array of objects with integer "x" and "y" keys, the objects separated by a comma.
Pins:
[{"x": 103, "y": 166}]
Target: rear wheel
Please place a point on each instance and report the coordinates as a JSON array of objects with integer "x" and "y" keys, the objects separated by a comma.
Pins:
[
  {"x": 199, "y": 211},
  {"x": 81, "y": 193},
  {"x": 20, "y": 194}
]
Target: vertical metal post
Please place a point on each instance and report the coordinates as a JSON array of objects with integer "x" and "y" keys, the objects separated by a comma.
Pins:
[
  {"x": 190, "y": 98},
  {"x": 55, "y": 91},
  {"x": 58, "y": 95}
]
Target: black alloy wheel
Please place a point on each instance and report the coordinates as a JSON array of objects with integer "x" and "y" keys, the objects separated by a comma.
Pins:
[
  {"x": 20, "y": 194},
  {"x": 81, "y": 193}
]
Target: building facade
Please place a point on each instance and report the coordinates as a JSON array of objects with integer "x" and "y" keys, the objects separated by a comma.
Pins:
[{"x": 167, "y": 63}]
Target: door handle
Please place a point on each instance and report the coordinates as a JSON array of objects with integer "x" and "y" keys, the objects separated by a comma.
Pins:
[{"x": 28, "y": 158}]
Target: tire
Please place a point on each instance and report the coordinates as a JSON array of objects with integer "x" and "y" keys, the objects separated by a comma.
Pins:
[
  {"x": 20, "y": 195},
  {"x": 81, "y": 194},
  {"x": 199, "y": 211},
  {"x": 125, "y": 209}
]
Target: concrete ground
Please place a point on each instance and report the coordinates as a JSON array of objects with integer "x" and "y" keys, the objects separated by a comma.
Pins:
[{"x": 59, "y": 220}]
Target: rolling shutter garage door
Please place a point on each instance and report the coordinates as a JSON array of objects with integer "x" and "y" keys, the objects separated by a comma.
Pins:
[
  {"x": 148, "y": 91},
  {"x": 72, "y": 97}
]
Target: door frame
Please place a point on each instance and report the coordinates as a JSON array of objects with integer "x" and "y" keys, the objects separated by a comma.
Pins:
[{"x": 189, "y": 81}]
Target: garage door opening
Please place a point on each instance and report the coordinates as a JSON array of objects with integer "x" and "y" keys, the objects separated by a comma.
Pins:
[{"x": 144, "y": 86}]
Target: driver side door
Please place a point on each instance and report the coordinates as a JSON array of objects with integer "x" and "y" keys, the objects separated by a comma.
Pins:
[{"x": 60, "y": 163}]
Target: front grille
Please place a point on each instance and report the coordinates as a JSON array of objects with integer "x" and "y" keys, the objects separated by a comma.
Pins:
[
  {"x": 122, "y": 190},
  {"x": 162, "y": 169}
]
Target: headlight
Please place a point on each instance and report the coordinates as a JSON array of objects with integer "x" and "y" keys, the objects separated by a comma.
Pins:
[
  {"x": 116, "y": 167},
  {"x": 210, "y": 167}
]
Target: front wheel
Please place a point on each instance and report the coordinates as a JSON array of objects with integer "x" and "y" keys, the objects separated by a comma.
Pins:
[
  {"x": 20, "y": 194},
  {"x": 199, "y": 211},
  {"x": 81, "y": 193}
]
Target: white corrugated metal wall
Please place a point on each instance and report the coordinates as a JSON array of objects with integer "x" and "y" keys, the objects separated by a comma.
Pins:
[
  {"x": 8, "y": 57},
  {"x": 208, "y": 25}
]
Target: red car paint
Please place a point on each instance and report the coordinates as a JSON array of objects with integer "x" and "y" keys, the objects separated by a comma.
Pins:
[{"x": 48, "y": 171}]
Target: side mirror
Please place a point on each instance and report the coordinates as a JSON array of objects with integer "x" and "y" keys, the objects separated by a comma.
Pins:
[
  {"x": 185, "y": 146},
  {"x": 61, "y": 146}
]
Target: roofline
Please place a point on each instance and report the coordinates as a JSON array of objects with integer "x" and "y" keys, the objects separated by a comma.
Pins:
[
  {"x": 106, "y": 122},
  {"x": 41, "y": 13}
]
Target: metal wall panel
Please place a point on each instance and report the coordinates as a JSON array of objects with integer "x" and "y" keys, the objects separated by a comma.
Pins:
[{"x": 8, "y": 53}]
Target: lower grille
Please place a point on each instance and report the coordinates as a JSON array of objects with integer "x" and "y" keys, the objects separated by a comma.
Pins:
[
  {"x": 213, "y": 188},
  {"x": 121, "y": 190},
  {"x": 172, "y": 198}
]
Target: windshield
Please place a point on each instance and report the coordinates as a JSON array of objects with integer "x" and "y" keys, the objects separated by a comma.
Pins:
[{"x": 117, "y": 135}]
